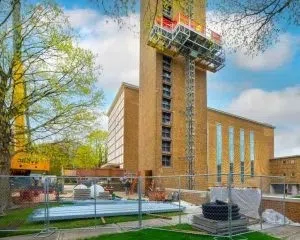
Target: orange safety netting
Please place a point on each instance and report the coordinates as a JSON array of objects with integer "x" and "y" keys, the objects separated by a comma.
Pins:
[{"x": 182, "y": 19}]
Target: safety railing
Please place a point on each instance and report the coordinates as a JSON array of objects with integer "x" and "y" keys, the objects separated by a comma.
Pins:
[{"x": 181, "y": 19}]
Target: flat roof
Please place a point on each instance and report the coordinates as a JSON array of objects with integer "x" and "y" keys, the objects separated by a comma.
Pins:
[
  {"x": 123, "y": 85},
  {"x": 242, "y": 118},
  {"x": 285, "y": 157}
]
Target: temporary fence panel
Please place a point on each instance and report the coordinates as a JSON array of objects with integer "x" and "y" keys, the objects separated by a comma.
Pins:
[{"x": 219, "y": 204}]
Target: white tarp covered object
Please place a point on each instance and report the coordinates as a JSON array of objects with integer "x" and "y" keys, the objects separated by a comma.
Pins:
[
  {"x": 273, "y": 217},
  {"x": 248, "y": 199},
  {"x": 80, "y": 186},
  {"x": 97, "y": 188}
]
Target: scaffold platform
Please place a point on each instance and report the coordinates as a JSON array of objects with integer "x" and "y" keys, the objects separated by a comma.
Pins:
[{"x": 183, "y": 36}]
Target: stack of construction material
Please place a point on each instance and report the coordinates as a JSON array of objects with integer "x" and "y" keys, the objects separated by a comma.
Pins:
[
  {"x": 81, "y": 192},
  {"x": 220, "y": 218},
  {"x": 104, "y": 196},
  {"x": 219, "y": 210},
  {"x": 219, "y": 227}
]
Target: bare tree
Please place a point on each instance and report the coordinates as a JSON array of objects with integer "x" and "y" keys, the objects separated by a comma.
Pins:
[{"x": 251, "y": 25}]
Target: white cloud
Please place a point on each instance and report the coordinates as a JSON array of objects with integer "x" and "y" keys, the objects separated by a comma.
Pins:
[
  {"x": 81, "y": 17},
  {"x": 274, "y": 57},
  {"x": 219, "y": 85},
  {"x": 279, "y": 108},
  {"x": 287, "y": 141},
  {"x": 240, "y": 34},
  {"x": 117, "y": 49}
]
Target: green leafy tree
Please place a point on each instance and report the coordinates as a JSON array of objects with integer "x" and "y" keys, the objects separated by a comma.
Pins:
[
  {"x": 92, "y": 152},
  {"x": 59, "y": 78},
  {"x": 60, "y": 154},
  {"x": 97, "y": 139},
  {"x": 85, "y": 157}
]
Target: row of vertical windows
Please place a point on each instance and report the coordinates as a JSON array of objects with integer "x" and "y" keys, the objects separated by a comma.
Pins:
[
  {"x": 242, "y": 154},
  {"x": 252, "y": 152},
  {"x": 219, "y": 152},
  {"x": 166, "y": 115},
  {"x": 231, "y": 152}
]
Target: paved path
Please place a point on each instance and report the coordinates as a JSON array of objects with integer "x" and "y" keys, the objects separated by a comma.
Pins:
[
  {"x": 285, "y": 232},
  {"x": 74, "y": 234}
]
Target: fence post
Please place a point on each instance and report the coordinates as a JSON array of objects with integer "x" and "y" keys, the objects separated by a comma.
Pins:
[
  {"x": 283, "y": 210},
  {"x": 95, "y": 203},
  {"x": 140, "y": 200},
  {"x": 261, "y": 203},
  {"x": 46, "y": 200},
  {"x": 229, "y": 176},
  {"x": 179, "y": 198}
]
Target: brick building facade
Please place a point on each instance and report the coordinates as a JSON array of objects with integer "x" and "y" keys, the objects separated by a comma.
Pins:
[
  {"x": 289, "y": 167},
  {"x": 123, "y": 127},
  {"x": 154, "y": 133},
  {"x": 239, "y": 140}
]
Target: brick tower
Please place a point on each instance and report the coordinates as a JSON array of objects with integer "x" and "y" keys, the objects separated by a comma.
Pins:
[{"x": 176, "y": 50}]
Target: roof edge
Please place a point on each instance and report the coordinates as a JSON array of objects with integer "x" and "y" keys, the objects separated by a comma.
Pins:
[
  {"x": 123, "y": 85},
  {"x": 285, "y": 157},
  {"x": 240, "y": 117}
]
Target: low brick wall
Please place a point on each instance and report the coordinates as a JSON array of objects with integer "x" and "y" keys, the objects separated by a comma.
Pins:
[
  {"x": 96, "y": 172},
  {"x": 191, "y": 196},
  {"x": 291, "y": 207}
]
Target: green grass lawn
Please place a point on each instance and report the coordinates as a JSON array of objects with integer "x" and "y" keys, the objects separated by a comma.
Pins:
[
  {"x": 150, "y": 234},
  {"x": 18, "y": 219}
]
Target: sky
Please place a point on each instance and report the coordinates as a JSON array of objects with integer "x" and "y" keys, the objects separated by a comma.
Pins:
[{"x": 265, "y": 87}]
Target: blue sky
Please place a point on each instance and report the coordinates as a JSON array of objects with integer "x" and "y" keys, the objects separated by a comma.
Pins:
[{"x": 265, "y": 87}]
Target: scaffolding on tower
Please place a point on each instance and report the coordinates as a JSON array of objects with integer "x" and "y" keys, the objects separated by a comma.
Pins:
[
  {"x": 190, "y": 125},
  {"x": 202, "y": 48},
  {"x": 183, "y": 36}
]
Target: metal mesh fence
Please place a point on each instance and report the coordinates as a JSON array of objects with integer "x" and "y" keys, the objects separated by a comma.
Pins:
[{"x": 214, "y": 204}]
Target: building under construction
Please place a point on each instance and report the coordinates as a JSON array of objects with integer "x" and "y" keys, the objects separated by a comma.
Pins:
[{"x": 164, "y": 127}]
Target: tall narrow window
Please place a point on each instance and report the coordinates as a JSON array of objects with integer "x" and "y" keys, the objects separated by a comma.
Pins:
[
  {"x": 166, "y": 132},
  {"x": 219, "y": 152},
  {"x": 166, "y": 118},
  {"x": 242, "y": 154},
  {"x": 167, "y": 63},
  {"x": 166, "y": 103},
  {"x": 252, "y": 152},
  {"x": 166, "y": 75},
  {"x": 166, "y": 90},
  {"x": 231, "y": 151},
  {"x": 166, "y": 160},
  {"x": 166, "y": 146}
]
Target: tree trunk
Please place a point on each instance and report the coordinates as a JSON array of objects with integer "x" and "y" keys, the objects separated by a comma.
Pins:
[{"x": 5, "y": 156}]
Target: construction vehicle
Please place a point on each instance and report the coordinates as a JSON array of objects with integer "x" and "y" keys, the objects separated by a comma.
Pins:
[{"x": 23, "y": 162}]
